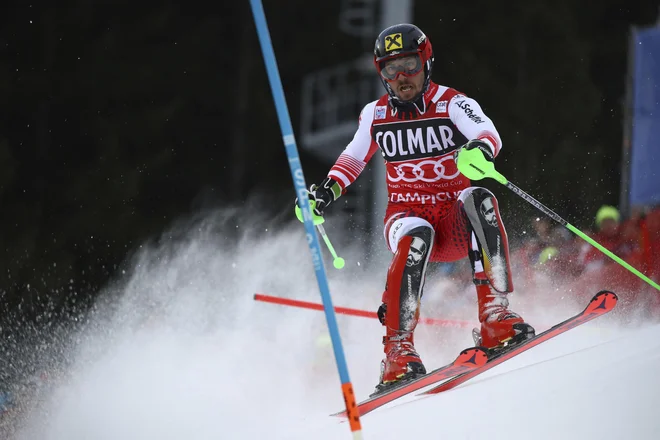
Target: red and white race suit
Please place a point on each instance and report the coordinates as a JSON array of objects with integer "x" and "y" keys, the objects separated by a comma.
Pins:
[{"x": 418, "y": 147}]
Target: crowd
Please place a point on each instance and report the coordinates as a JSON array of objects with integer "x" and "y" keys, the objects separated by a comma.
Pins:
[
  {"x": 552, "y": 249},
  {"x": 549, "y": 256}
]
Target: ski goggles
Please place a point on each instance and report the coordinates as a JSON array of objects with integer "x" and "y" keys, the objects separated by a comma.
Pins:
[{"x": 406, "y": 65}]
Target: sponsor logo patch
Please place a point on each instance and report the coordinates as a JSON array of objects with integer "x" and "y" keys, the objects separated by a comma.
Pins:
[
  {"x": 471, "y": 114},
  {"x": 381, "y": 111},
  {"x": 417, "y": 139},
  {"x": 441, "y": 107},
  {"x": 393, "y": 42},
  {"x": 416, "y": 253},
  {"x": 428, "y": 170},
  {"x": 488, "y": 211},
  {"x": 423, "y": 199}
]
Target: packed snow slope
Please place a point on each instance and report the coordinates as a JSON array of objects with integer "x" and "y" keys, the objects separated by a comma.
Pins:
[
  {"x": 564, "y": 389},
  {"x": 180, "y": 350}
]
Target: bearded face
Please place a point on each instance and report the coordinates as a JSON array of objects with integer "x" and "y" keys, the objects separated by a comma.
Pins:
[
  {"x": 416, "y": 252},
  {"x": 488, "y": 211}
]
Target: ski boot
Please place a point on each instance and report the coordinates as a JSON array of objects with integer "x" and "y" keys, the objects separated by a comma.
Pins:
[
  {"x": 401, "y": 363},
  {"x": 500, "y": 327}
]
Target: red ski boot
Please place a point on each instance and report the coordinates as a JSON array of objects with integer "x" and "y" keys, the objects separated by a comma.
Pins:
[
  {"x": 401, "y": 363},
  {"x": 500, "y": 327},
  {"x": 400, "y": 310}
]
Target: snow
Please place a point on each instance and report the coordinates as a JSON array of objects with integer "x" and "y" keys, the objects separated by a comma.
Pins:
[
  {"x": 186, "y": 353},
  {"x": 606, "y": 391}
]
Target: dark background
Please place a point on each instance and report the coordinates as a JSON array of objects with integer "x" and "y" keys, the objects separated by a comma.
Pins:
[{"x": 120, "y": 117}]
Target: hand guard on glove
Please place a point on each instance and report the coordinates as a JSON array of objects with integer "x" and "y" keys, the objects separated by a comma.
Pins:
[
  {"x": 479, "y": 145},
  {"x": 323, "y": 195}
]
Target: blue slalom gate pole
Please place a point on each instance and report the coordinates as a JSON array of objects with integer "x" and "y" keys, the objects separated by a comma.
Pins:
[{"x": 303, "y": 203}]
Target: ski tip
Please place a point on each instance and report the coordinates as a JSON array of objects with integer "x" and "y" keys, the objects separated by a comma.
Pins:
[
  {"x": 603, "y": 302},
  {"x": 607, "y": 292},
  {"x": 474, "y": 350}
]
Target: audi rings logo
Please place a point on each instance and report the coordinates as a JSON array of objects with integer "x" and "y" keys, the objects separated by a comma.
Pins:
[{"x": 428, "y": 170}]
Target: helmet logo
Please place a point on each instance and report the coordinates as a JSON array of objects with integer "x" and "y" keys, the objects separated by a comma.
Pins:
[{"x": 393, "y": 42}]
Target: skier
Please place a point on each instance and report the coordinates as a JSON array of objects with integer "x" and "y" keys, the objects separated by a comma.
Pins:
[{"x": 433, "y": 212}]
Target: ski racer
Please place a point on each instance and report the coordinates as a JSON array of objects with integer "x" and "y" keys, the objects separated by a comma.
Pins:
[{"x": 433, "y": 212}]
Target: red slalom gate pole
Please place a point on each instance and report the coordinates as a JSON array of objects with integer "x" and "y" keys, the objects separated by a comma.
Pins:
[{"x": 449, "y": 323}]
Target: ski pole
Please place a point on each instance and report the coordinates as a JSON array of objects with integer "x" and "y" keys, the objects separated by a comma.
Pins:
[
  {"x": 301, "y": 190},
  {"x": 337, "y": 261},
  {"x": 473, "y": 165}
]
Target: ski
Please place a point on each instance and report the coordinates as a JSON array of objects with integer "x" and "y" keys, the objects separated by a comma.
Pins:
[
  {"x": 469, "y": 359},
  {"x": 602, "y": 303}
]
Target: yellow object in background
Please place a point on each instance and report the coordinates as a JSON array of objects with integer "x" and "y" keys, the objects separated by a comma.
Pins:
[{"x": 547, "y": 254}]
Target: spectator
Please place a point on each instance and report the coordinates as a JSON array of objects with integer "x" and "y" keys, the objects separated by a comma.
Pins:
[
  {"x": 651, "y": 242},
  {"x": 607, "y": 234},
  {"x": 629, "y": 245},
  {"x": 531, "y": 249},
  {"x": 551, "y": 249}
]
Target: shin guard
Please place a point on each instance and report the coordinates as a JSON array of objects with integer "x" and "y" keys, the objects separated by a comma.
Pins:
[
  {"x": 405, "y": 280},
  {"x": 489, "y": 247}
]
